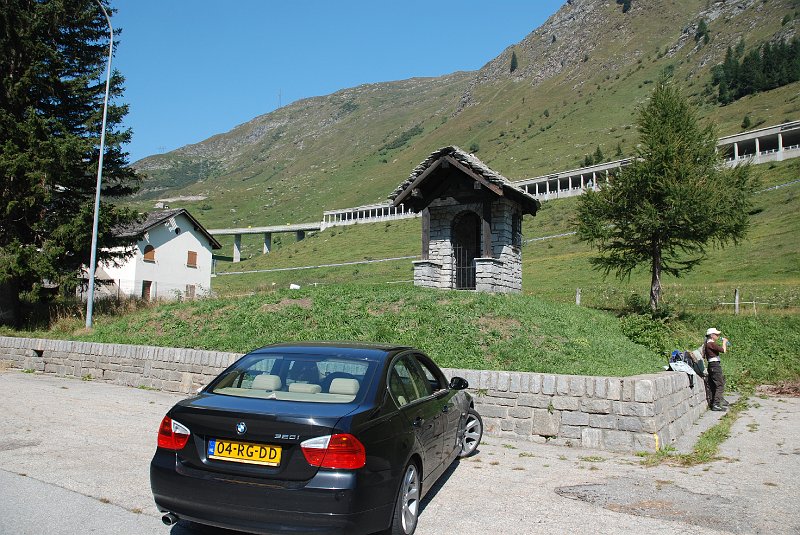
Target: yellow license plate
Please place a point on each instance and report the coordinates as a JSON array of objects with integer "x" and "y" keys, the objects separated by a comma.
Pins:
[{"x": 244, "y": 452}]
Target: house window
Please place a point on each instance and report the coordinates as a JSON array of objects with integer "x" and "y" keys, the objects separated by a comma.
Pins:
[
  {"x": 149, "y": 253},
  {"x": 190, "y": 289},
  {"x": 191, "y": 259}
]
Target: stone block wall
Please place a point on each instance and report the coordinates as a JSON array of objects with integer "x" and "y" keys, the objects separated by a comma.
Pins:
[
  {"x": 427, "y": 273},
  {"x": 506, "y": 247},
  {"x": 161, "y": 368},
  {"x": 500, "y": 273},
  {"x": 640, "y": 413}
]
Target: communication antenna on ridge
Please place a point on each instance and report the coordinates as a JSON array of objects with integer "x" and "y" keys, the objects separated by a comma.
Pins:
[{"x": 279, "y": 98}]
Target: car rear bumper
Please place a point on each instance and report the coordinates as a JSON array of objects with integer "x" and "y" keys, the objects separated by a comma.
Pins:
[{"x": 329, "y": 503}]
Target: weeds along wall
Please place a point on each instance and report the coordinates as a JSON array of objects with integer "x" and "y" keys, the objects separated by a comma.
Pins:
[{"x": 639, "y": 413}]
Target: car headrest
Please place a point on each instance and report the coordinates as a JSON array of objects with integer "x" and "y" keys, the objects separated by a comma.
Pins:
[
  {"x": 266, "y": 382},
  {"x": 340, "y": 385},
  {"x": 306, "y": 388}
]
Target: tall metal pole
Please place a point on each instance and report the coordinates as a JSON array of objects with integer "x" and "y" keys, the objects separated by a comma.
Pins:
[{"x": 93, "y": 261}]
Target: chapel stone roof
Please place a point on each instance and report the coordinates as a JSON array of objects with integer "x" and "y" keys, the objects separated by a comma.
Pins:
[{"x": 472, "y": 164}]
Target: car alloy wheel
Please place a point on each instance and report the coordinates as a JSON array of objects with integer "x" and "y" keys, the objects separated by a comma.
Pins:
[
  {"x": 473, "y": 431},
  {"x": 404, "y": 521}
]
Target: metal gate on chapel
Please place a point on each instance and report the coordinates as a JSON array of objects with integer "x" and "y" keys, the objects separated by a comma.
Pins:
[{"x": 466, "y": 247}]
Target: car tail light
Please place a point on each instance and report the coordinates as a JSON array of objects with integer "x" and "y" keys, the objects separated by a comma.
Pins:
[
  {"x": 172, "y": 435},
  {"x": 341, "y": 451}
]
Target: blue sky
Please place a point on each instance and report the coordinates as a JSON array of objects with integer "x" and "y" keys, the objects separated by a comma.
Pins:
[{"x": 195, "y": 68}]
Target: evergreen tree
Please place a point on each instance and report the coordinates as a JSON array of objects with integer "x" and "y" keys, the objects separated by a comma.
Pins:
[
  {"x": 702, "y": 32},
  {"x": 52, "y": 83},
  {"x": 769, "y": 66},
  {"x": 671, "y": 203},
  {"x": 513, "y": 61},
  {"x": 750, "y": 79},
  {"x": 598, "y": 155}
]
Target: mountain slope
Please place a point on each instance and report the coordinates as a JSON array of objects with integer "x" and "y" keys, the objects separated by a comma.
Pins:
[{"x": 579, "y": 79}]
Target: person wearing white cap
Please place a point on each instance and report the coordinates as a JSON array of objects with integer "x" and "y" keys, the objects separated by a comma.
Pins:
[{"x": 716, "y": 379}]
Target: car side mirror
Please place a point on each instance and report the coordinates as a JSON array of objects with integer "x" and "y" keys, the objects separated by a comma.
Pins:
[{"x": 458, "y": 383}]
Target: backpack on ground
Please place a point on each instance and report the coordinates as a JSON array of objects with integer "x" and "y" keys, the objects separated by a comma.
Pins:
[{"x": 698, "y": 360}]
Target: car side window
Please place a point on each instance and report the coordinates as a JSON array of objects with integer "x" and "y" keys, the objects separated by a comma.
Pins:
[
  {"x": 420, "y": 381},
  {"x": 407, "y": 383},
  {"x": 432, "y": 374}
]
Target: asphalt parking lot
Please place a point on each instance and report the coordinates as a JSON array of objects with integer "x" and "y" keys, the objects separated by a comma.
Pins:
[{"x": 74, "y": 459}]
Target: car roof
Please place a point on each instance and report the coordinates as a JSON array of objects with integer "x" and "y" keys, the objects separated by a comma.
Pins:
[{"x": 360, "y": 350}]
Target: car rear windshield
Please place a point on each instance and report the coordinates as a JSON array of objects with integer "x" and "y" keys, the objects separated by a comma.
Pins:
[{"x": 302, "y": 378}]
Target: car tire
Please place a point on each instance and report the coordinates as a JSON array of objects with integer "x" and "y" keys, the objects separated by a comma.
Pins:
[
  {"x": 473, "y": 432},
  {"x": 406, "y": 509}
]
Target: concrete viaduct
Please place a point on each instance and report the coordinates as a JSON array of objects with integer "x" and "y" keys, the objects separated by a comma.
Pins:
[
  {"x": 299, "y": 229},
  {"x": 770, "y": 144}
]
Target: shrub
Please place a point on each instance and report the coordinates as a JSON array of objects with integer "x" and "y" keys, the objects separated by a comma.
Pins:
[{"x": 646, "y": 331}]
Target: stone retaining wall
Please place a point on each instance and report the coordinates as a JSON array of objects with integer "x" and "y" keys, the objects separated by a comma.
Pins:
[{"x": 640, "y": 413}]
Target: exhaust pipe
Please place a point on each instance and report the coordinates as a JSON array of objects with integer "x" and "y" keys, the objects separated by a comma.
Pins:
[{"x": 170, "y": 519}]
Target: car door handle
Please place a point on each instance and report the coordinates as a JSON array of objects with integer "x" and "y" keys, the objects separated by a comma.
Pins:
[{"x": 418, "y": 421}]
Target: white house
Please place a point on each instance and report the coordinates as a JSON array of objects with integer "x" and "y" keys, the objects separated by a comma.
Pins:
[{"x": 172, "y": 259}]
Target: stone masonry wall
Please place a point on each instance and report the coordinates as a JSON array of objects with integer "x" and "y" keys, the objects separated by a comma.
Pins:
[
  {"x": 502, "y": 275},
  {"x": 640, "y": 413}
]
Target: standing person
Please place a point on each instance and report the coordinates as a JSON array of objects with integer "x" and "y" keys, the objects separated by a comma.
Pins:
[{"x": 716, "y": 379}]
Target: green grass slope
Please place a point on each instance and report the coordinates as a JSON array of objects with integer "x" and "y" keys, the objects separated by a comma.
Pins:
[
  {"x": 765, "y": 267},
  {"x": 458, "y": 329},
  {"x": 540, "y": 330}
]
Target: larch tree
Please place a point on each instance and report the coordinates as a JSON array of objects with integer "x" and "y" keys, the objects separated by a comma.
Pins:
[
  {"x": 53, "y": 56},
  {"x": 673, "y": 202}
]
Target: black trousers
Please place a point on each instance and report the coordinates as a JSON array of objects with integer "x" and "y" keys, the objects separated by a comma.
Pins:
[{"x": 716, "y": 383}]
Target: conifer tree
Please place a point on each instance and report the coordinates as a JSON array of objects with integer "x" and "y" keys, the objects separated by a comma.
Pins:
[
  {"x": 513, "y": 61},
  {"x": 53, "y": 58},
  {"x": 671, "y": 203},
  {"x": 702, "y": 32}
]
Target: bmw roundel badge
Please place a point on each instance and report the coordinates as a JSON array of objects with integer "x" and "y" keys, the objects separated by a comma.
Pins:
[{"x": 241, "y": 428}]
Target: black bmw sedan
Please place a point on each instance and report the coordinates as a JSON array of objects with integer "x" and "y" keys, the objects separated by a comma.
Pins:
[{"x": 314, "y": 438}]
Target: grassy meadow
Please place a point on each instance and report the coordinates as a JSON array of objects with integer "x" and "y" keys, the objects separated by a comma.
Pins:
[
  {"x": 539, "y": 330},
  {"x": 765, "y": 267},
  {"x": 458, "y": 329}
]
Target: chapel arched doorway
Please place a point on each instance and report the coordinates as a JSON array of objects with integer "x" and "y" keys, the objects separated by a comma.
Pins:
[{"x": 466, "y": 241}]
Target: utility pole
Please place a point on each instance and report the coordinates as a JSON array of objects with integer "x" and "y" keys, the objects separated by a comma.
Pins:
[{"x": 93, "y": 261}]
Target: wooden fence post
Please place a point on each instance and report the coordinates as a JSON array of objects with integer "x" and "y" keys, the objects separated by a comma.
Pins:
[
  {"x": 578, "y": 297},
  {"x": 736, "y": 302}
]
